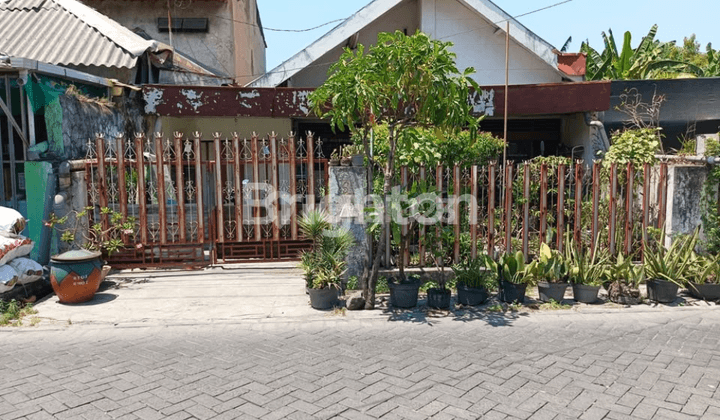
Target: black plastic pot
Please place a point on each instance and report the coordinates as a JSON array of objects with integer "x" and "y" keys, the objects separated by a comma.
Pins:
[
  {"x": 326, "y": 298},
  {"x": 438, "y": 298},
  {"x": 403, "y": 295},
  {"x": 551, "y": 291},
  {"x": 511, "y": 292},
  {"x": 585, "y": 293},
  {"x": 661, "y": 291},
  {"x": 704, "y": 291},
  {"x": 471, "y": 296}
]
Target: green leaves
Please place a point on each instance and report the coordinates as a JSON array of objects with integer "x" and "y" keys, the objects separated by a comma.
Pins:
[{"x": 634, "y": 145}]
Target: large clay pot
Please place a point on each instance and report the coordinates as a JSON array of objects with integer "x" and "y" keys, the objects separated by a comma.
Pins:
[{"x": 76, "y": 275}]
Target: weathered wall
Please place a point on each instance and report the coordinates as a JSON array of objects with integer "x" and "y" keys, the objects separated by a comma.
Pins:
[
  {"x": 685, "y": 186},
  {"x": 576, "y": 133},
  {"x": 76, "y": 121},
  {"x": 230, "y": 48},
  {"x": 244, "y": 126},
  {"x": 348, "y": 188}
]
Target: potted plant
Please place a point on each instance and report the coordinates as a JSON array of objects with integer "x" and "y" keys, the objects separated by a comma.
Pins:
[
  {"x": 475, "y": 278},
  {"x": 621, "y": 279},
  {"x": 356, "y": 154},
  {"x": 75, "y": 275},
  {"x": 324, "y": 265},
  {"x": 439, "y": 297},
  {"x": 334, "y": 158},
  {"x": 666, "y": 269},
  {"x": 585, "y": 271},
  {"x": 345, "y": 157},
  {"x": 704, "y": 280},
  {"x": 514, "y": 276},
  {"x": 550, "y": 271}
]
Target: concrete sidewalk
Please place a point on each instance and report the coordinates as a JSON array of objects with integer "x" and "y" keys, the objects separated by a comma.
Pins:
[{"x": 264, "y": 292}]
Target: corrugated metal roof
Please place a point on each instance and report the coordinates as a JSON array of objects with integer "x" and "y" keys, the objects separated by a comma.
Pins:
[{"x": 66, "y": 32}]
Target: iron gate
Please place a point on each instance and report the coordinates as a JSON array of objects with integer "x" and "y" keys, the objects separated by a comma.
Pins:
[{"x": 197, "y": 202}]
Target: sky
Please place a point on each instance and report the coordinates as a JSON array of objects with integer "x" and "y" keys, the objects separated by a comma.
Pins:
[{"x": 581, "y": 19}]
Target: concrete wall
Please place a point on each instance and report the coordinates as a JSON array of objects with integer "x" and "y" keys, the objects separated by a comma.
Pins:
[
  {"x": 576, "y": 133},
  {"x": 477, "y": 45},
  {"x": 228, "y": 48},
  {"x": 226, "y": 125},
  {"x": 685, "y": 186}
]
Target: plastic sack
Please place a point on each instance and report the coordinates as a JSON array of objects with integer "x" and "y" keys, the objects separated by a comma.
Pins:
[
  {"x": 11, "y": 220},
  {"x": 8, "y": 278},
  {"x": 28, "y": 270},
  {"x": 13, "y": 246}
]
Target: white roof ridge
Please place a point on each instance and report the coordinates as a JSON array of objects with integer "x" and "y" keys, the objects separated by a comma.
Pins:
[{"x": 120, "y": 35}]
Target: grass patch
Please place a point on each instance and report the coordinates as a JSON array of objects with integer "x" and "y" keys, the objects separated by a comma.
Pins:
[
  {"x": 13, "y": 312},
  {"x": 554, "y": 305},
  {"x": 495, "y": 308}
]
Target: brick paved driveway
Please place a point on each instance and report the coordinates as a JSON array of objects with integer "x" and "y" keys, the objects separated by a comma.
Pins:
[{"x": 541, "y": 366}]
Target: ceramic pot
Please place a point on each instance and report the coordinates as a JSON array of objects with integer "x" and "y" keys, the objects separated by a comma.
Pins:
[{"x": 76, "y": 275}]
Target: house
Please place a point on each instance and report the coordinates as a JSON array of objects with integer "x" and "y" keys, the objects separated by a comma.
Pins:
[
  {"x": 224, "y": 36},
  {"x": 476, "y": 27}
]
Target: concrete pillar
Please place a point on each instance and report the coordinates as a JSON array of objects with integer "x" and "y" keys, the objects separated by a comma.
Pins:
[
  {"x": 685, "y": 196},
  {"x": 348, "y": 187}
]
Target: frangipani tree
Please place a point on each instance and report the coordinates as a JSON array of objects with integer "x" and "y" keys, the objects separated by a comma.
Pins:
[{"x": 404, "y": 82}]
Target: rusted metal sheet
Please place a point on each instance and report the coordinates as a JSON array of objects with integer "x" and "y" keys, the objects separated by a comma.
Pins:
[{"x": 214, "y": 101}]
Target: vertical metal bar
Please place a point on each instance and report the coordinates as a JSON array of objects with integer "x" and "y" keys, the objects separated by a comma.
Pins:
[
  {"x": 160, "y": 166},
  {"x": 491, "y": 209},
  {"x": 456, "y": 210},
  {"x": 578, "y": 201},
  {"x": 311, "y": 170},
  {"x": 293, "y": 187},
  {"x": 473, "y": 211},
  {"x": 629, "y": 207},
  {"x": 662, "y": 195},
  {"x": 219, "y": 190},
  {"x": 405, "y": 232},
  {"x": 11, "y": 145},
  {"x": 180, "y": 186},
  {"x": 2, "y": 172},
  {"x": 438, "y": 200},
  {"x": 199, "y": 187},
  {"x": 508, "y": 205},
  {"x": 613, "y": 207},
  {"x": 596, "y": 204},
  {"x": 275, "y": 186},
  {"x": 421, "y": 228},
  {"x": 142, "y": 200},
  {"x": 256, "y": 191},
  {"x": 646, "y": 205},
  {"x": 526, "y": 211},
  {"x": 561, "y": 207},
  {"x": 237, "y": 153},
  {"x": 102, "y": 183},
  {"x": 120, "y": 144},
  {"x": 543, "y": 201}
]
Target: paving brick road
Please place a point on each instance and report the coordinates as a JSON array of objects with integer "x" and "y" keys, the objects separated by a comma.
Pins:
[{"x": 541, "y": 366}]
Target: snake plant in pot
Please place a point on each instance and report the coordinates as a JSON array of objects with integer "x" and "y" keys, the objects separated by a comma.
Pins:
[
  {"x": 476, "y": 278},
  {"x": 324, "y": 265},
  {"x": 550, "y": 271},
  {"x": 586, "y": 268},
  {"x": 667, "y": 269},
  {"x": 514, "y": 276},
  {"x": 704, "y": 278}
]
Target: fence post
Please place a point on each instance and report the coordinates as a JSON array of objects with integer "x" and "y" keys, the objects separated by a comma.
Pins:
[
  {"x": 199, "y": 188},
  {"x": 238, "y": 187},
  {"x": 596, "y": 204},
  {"x": 526, "y": 210},
  {"x": 629, "y": 207},
  {"x": 508, "y": 206},
  {"x": 474, "y": 211},
  {"x": 561, "y": 207},
  {"x": 311, "y": 171},
  {"x": 292, "y": 153},
  {"x": 220, "y": 219},
  {"x": 421, "y": 247},
  {"x": 102, "y": 180},
  {"x": 543, "y": 202},
  {"x": 275, "y": 186},
  {"x": 578, "y": 201},
  {"x": 613, "y": 207},
  {"x": 180, "y": 185},
  {"x": 404, "y": 180},
  {"x": 662, "y": 195},
  {"x": 646, "y": 207},
  {"x": 140, "y": 168},
  {"x": 456, "y": 209},
  {"x": 491, "y": 209}
]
